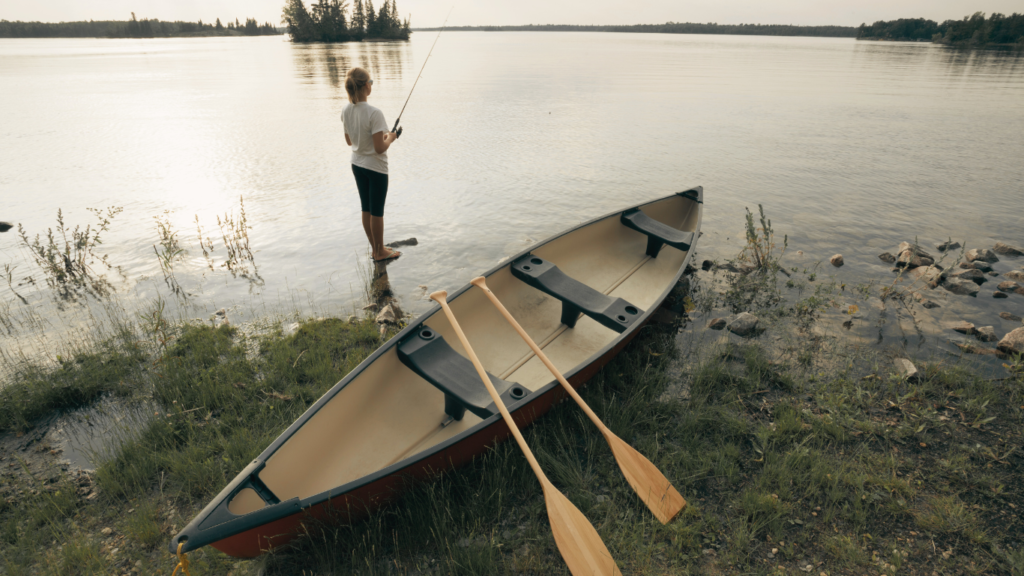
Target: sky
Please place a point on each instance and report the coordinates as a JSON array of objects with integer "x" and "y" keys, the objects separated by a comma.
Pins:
[{"x": 426, "y": 13}]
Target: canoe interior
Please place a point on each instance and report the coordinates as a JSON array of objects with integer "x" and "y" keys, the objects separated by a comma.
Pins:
[{"x": 388, "y": 413}]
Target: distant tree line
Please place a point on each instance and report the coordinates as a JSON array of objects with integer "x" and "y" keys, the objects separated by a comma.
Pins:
[
  {"x": 331, "y": 21},
  {"x": 974, "y": 30},
  {"x": 133, "y": 28},
  {"x": 677, "y": 28}
]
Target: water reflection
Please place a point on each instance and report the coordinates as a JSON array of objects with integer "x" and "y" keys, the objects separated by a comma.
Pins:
[{"x": 383, "y": 60}]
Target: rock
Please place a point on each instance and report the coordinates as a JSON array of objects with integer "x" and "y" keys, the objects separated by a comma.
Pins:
[
  {"x": 221, "y": 312},
  {"x": 961, "y": 327},
  {"x": 1012, "y": 343},
  {"x": 929, "y": 304},
  {"x": 1010, "y": 317},
  {"x": 930, "y": 274},
  {"x": 887, "y": 258},
  {"x": 386, "y": 316},
  {"x": 978, "y": 265},
  {"x": 1007, "y": 286},
  {"x": 986, "y": 334},
  {"x": 400, "y": 243},
  {"x": 744, "y": 324},
  {"x": 983, "y": 254},
  {"x": 976, "y": 276},
  {"x": 972, "y": 349},
  {"x": 947, "y": 245},
  {"x": 836, "y": 260},
  {"x": 717, "y": 323},
  {"x": 1000, "y": 295},
  {"x": 917, "y": 249},
  {"x": 1007, "y": 250},
  {"x": 908, "y": 258},
  {"x": 707, "y": 265},
  {"x": 906, "y": 368},
  {"x": 5, "y": 226},
  {"x": 1019, "y": 290},
  {"x": 1017, "y": 275},
  {"x": 993, "y": 273},
  {"x": 291, "y": 329},
  {"x": 107, "y": 531},
  {"x": 961, "y": 287}
]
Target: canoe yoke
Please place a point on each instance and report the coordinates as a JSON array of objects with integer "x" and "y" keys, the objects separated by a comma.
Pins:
[
  {"x": 427, "y": 354},
  {"x": 614, "y": 313},
  {"x": 658, "y": 234}
]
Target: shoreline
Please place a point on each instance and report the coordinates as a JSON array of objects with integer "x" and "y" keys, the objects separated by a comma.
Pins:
[{"x": 729, "y": 417}]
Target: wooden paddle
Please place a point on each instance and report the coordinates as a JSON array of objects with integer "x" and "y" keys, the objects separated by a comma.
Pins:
[
  {"x": 650, "y": 484},
  {"x": 581, "y": 547}
]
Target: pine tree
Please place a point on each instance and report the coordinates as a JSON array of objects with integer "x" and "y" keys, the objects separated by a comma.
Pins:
[
  {"x": 218, "y": 25},
  {"x": 372, "y": 28},
  {"x": 358, "y": 22},
  {"x": 300, "y": 23}
]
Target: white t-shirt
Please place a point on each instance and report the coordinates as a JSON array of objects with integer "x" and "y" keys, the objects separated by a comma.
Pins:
[{"x": 361, "y": 122}]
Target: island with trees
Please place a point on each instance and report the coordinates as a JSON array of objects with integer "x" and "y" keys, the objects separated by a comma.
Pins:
[
  {"x": 134, "y": 28},
  {"x": 331, "y": 21},
  {"x": 971, "y": 31}
]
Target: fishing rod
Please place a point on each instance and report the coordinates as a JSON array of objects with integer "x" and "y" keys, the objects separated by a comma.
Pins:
[{"x": 395, "y": 129}]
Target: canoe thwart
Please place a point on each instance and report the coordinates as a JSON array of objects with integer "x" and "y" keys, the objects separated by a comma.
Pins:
[
  {"x": 426, "y": 353},
  {"x": 658, "y": 234},
  {"x": 577, "y": 298}
]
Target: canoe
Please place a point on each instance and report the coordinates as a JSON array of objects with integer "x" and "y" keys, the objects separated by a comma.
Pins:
[{"x": 416, "y": 407}]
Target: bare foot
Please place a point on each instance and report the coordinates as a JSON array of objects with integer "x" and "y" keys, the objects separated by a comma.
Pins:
[{"x": 388, "y": 255}]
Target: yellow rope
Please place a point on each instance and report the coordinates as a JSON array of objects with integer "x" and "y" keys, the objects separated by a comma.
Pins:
[{"x": 182, "y": 562}]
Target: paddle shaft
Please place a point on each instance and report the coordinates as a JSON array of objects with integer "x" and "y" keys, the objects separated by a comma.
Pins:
[
  {"x": 399, "y": 119},
  {"x": 440, "y": 297},
  {"x": 479, "y": 282}
]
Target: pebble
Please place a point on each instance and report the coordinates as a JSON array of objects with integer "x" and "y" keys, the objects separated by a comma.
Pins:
[
  {"x": 107, "y": 531},
  {"x": 836, "y": 260}
]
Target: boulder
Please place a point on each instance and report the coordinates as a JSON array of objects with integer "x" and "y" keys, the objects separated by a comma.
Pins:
[
  {"x": 983, "y": 254},
  {"x": 1007, "y": 286},
  {"x": 905, "y": 368},
  {"x": 986, "y": 334},
  {"x": 1007, "y": 250},
  {"x": 947, "y": 245},
  {"x": 887, "y": 258},
  {"x": 836, "y": 260},
  {"x": 1017, "y": 275},
  {"x": 1013, "y": 343},
  {"x": 979, "y": 265},
  {"x": 744, "y": 324},
  {"x": 976, "y": 276},
  {"x": 5, "y": 226},
  {"x": 1010, "y": 317},
  {"x": 717, "y": 323},
  {"x": 929, "y": 274},
  {"x": 961, "y": 327},
  {"x": 1000, "y": 295},
  {"x": 961, "y": 287}
]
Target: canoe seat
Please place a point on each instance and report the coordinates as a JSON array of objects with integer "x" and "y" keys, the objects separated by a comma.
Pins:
[
  {"x": 658, "y": 234},
  {"x": 427, "y": 354},
  {"x": 576, "y": 297}
]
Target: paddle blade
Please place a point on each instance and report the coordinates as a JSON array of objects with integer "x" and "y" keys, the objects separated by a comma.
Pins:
[
  {"x": 650, "y": 484},
  {"x": 582, "y": 548}
]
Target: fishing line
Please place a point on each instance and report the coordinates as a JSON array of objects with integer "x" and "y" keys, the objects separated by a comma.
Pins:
[{"x": 421, "y": 68}]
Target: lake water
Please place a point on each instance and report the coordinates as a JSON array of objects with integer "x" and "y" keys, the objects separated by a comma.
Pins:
[{"x": 852, "y": 147}]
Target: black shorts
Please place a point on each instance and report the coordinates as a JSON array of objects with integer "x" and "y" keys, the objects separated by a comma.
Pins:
[{"x": 373, "y": 189}]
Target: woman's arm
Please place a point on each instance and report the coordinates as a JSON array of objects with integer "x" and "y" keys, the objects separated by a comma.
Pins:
[
  {"x": 382, "y": 141},
  {"x": 347, "y": 139}
]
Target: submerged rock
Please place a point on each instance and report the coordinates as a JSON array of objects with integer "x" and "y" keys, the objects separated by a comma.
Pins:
[
  {"x": 1013, "y": 343},
  {"x": 5, "y": 226},
  {"x": 1017, "y": 275},
  {"x": 836, "y": 260},
  {"x": 745, "y": 324},
  {"x": 986, "y": 334},
  {"x": 947, "y": 245},
  {"x": 930, "y": 274},
  {"x": 1010, "y": 317},
  {"x": 400, "y": 243},
  {"x": 1000, "y": 295},
  {"x": 910, "y": 256},
  {"x": 983, "y": 254},
  {"x": 1007, "y": 286},
  {"x": 1007, "y": 250},
  {"x": 961, "y": 287},
  {"x": 887, "y": 258}
]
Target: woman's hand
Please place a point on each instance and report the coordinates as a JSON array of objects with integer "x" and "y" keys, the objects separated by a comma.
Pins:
[{"x": 382, "y": 141}]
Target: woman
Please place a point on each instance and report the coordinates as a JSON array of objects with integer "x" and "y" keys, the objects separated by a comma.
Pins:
[{"x": 367, "y": 133}]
